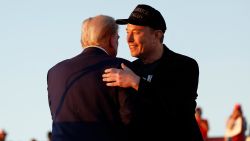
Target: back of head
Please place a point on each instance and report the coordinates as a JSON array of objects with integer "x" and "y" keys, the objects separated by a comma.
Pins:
[
  {"x": 237, "y": 107},
  {"x": 96, "y": 31},
  {"x": 198, "y": 111}
]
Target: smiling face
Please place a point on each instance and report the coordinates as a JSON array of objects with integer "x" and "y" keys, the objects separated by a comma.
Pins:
[{"x": 141, "y": 40}]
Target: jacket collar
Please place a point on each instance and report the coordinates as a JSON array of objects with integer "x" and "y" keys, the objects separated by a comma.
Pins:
[{"x": 95, "y": 50}]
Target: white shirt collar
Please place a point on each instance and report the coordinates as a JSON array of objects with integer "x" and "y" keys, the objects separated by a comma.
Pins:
[{"x": 98, "y": 47}]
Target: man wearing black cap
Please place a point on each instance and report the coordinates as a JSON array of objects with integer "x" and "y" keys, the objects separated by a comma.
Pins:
[{"x": 166, "y": 82}]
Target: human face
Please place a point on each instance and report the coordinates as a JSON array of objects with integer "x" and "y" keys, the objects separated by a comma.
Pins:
[{"x": 140, "y": 40}]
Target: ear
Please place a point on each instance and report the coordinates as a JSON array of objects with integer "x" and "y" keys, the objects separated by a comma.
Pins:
[
  {"x": 81, "y": 43},
  {"x": 112, "y": 41},
  {"x": 158, "y": 34}
]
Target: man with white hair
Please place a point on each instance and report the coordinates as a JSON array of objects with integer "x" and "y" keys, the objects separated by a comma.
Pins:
[{"x": 83, "y": 108}]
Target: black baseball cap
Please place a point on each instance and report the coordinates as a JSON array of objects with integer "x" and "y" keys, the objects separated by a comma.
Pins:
[{"x": 145, "y": 15}]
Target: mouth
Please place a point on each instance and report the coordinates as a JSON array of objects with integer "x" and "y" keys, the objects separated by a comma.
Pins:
[{"x": 132, "y": 46}]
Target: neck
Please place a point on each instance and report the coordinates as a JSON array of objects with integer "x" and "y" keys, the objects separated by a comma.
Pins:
[{"x": 153, "y": 55}]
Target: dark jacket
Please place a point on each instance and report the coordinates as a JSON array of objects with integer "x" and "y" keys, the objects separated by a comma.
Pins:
[
  {"x": 165, "y": 107},
  {"x": 83, "y": 108}
]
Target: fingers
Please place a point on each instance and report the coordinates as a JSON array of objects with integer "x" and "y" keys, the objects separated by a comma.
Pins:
[
  {"x": 111, "y": 84},
  {"x": 108, "y": 79},
  {"x": 112, "y": 70},
  {"x": 110, "y": 75},
  {"x": 108, "y": 70}
]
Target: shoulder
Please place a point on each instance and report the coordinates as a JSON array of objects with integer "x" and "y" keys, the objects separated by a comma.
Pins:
[
  {"x": 68, "y": 63},
  {"x": 124, "y": 61},
  {"x": 59, "y": 65},
  {"x": 137, "y": 62},
  {"x": 64, "y": 65},
  {"x": 178, "y": 60},
  {"x": 181, "y": 58}
]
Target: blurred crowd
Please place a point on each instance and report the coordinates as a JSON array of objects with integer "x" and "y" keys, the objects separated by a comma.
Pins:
[
  {"x": 3, "y": 136},
  {"x": 236, "y": 125}
]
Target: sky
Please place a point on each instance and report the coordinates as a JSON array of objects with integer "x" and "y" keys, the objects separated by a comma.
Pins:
[{"x": 35, "y": 35}]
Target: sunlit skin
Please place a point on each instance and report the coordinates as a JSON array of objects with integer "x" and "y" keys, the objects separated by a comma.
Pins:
[
  {"x": 124, "y": 77},
  {"x": 144, "y": 43}
]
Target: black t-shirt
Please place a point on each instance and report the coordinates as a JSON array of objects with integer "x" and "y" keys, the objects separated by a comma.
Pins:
[{"x": 146, "y": 71}]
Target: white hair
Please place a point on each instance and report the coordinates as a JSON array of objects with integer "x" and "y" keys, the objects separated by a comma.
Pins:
[{"x": 97, "y": 30}]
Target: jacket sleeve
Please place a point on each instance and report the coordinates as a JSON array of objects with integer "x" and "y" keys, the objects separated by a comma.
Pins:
[{"x": 126, "y": 100}]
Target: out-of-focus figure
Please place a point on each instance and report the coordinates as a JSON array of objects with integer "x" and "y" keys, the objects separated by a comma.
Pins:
[
  {"x": 202, "y": 122},
  {"x": 236, "y": 125},
  {"x": 3, "y": 135},
  {"x": 33, "y": 139},
  {"x": 248, "y": 138},
  {"x": 49, "y": 136}
]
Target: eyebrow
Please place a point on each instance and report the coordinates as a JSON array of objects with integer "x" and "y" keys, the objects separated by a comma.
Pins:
[{"x": 134, "y": 29}]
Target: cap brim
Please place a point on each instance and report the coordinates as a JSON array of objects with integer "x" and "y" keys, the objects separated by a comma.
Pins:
[
  {"x": 122, "y": 21},
  {"x": 129, "y": 21}
]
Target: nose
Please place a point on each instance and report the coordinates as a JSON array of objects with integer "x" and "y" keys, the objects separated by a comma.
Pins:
[{"x": 130, "y": 37}]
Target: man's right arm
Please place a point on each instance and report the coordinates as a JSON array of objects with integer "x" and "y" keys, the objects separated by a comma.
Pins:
[{"x": 124, "y": 77}]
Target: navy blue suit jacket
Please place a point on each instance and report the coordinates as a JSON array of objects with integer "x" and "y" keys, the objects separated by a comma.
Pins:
[{"x": 83, "y": 108}]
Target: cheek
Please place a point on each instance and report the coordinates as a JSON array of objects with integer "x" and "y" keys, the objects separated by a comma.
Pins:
[
  {"x": 141, "y": 43},
  {"x": 139, "y": 40}
]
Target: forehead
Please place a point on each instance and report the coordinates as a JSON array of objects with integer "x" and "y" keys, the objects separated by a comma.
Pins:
[{"x": 137, "y": 27}]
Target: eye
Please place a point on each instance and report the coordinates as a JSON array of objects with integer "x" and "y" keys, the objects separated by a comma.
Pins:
[{"x": 136, "y": 32}]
